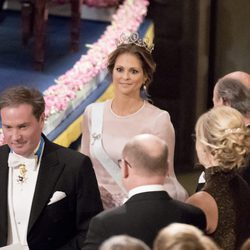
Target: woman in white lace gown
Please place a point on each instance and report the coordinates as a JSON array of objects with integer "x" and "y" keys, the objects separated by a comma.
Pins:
[{"x": 109, "y": 125}]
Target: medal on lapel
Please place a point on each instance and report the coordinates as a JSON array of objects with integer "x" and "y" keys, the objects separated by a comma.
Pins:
[{"x": 22, "y": 173}]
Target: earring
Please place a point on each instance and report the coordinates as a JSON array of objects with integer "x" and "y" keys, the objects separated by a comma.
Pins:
[{"x": 144, "y": 92}]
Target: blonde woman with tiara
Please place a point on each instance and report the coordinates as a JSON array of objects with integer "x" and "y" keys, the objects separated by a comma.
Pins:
[{"x": 222, "y": 144}]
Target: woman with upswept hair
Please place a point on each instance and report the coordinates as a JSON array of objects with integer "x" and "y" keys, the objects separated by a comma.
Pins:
[
  {"x": 222, "y": 145},
  {"x": 107, "y": 126}
]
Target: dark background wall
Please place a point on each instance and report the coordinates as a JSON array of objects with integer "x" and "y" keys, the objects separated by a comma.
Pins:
[
  {"x": 196, "y": 42},
  {"x": 230, "y": 38},
  {"x": 174, "y": 87}
]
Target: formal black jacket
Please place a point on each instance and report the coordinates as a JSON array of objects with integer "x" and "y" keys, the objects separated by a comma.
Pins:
[
  {"x": 62, "y": 225},
  {"x": 142, "y": 216}
]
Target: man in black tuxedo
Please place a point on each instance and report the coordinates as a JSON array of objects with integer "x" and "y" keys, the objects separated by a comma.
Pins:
[
  {"x": 149, "y": 207},
  {"x": 48, "y": 193}
]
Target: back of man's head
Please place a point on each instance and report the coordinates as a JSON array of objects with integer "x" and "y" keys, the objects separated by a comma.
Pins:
[
  {"x": 147, "y": 154},
  {"x": 123, "y": 242},
  {"x": 240, "y": 76},
  {"x": 232, "y": 92}
]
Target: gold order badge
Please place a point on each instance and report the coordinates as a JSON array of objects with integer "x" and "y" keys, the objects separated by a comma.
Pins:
[{"x": 22, "y": 173}]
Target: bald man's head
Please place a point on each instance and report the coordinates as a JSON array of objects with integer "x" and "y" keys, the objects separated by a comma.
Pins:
[
  {"x": 241, "y": 76},
  {"x": 147, "y": 153}
]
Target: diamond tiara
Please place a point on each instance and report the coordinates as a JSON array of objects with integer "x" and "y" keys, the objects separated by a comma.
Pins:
[{"x": 134, "y": 38}]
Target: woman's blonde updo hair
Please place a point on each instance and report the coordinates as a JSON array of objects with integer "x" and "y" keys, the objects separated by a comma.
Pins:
[{"x": 223, "y": 133}]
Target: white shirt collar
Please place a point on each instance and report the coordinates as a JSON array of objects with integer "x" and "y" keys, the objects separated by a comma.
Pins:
[
  {"x": 145, "y": 188},
  {"x": 31, "y": 161}
]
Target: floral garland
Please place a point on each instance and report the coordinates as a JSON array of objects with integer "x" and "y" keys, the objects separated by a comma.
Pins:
[
  {"x": 127, "y": 19},
  {"x": 58, "y": 97}
]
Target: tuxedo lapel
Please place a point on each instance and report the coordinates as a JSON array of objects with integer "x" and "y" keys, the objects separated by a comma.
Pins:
[
  {"x": 4, "y": 170},
  {"x": 49, "y": 172}
]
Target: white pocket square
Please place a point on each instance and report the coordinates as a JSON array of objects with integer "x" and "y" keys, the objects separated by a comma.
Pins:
[{"x": 57, "y": 196}]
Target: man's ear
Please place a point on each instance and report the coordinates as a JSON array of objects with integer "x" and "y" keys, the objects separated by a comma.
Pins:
[
  {"x": 167, "y": 170},
  {"x": 125, "y": 170},
  {"x": 42, "y": 119},
  {"x": 225, "y": 102}
]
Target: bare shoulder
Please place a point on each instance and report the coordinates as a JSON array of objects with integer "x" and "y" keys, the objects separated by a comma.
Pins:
[
  {"x": 207, "y": 203},
  {"x": 199, "y": 198},
  {"x": 203, "y": 200}
]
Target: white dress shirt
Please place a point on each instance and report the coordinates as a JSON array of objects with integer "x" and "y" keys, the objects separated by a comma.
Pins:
[
  {"x": 145, "y": 188},
  {"x": 20, "y": 196}
]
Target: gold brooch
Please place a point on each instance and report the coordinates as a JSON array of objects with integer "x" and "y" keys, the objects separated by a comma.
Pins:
[{"x": 22, "y": 173}]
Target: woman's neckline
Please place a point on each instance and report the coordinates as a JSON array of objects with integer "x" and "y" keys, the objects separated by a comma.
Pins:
[{"x": 127, "y": 115}]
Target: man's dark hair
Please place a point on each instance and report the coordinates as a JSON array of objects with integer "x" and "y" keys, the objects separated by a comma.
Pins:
[{"x": 18, "y": 95}]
